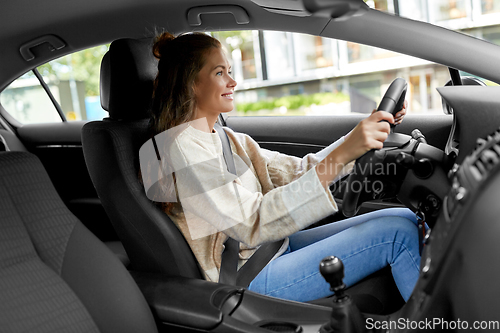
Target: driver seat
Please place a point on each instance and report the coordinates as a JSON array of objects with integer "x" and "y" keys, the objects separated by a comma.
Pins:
[{"x": 111, "y": 149}]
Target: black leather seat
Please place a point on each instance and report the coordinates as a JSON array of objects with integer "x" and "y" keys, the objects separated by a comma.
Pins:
[
  {"x": 111, "y": 149},
  {"x": 55, "y": 275}
]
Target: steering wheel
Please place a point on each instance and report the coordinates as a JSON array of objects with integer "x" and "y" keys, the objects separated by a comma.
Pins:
[{"x": 392, "y": 102}]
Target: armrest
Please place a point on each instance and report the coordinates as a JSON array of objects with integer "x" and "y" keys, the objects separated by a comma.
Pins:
[
  {"x": 209, "y": 306},
  {"x": 186, "y": 301}
]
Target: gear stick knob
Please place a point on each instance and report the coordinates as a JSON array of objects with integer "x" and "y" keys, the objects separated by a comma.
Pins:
[
  {"x": 345, "y": 317},
  {"x": 332, "y": 270}
]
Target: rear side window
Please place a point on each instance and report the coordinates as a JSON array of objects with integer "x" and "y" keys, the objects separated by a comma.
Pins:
[
  {"x": 73, "y": 81},
  {"x": 27, "y": 101}
]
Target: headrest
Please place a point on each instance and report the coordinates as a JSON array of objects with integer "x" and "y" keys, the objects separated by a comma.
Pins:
[{"x": 128, "y": 70}]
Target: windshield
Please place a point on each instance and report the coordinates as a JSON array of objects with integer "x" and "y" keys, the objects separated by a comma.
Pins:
[{"x": 476, "y": 18}]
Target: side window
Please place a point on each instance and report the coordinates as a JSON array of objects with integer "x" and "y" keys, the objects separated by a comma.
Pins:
[
  {"x": 27, "y": 101},
  {"x": 299, "y": 74},
  {"x": 73, "y": 81}
]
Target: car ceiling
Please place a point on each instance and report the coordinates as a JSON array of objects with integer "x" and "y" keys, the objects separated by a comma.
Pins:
[
  {"x": 82, "y": 24},
  {"x": 85, "y": 23}
]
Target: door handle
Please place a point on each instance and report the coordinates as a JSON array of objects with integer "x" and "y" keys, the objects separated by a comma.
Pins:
[
  {"x": 194, "y": 14},
  {"x": 55, "y": 43}
]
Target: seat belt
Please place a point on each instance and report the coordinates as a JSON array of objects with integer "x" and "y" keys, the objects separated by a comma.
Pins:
[{"x": 229, "y": 273}]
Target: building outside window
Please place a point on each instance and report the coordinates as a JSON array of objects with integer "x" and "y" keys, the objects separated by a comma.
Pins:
[
  {"x": 359, "y": 52},
  {"x": 279, "y": 47},
  {"x": 413, "y": 9},
  {"x": 382, "y": 5},
  {"x": 443, "y": 10},
  {"x": 243, "y": 50},
  {"x": 288, "y": 73},
  {"x": 491, "y": 34},
  {"x": 490, "y": 6},
  {"x": 313, "y": 52}
]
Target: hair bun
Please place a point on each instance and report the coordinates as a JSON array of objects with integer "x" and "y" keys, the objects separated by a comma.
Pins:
[{"x": 161, "y": 41}]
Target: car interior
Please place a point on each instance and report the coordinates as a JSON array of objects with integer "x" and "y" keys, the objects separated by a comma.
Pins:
[{"x": 83, "y": 249}]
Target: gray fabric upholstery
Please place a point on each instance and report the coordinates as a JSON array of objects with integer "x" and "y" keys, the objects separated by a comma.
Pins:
[
  {"x": 9, "y": 142},
  {"x": 55, "y": 276}
]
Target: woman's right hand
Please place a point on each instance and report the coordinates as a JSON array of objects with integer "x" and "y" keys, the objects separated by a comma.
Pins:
[{"x": 370, "y": 133}]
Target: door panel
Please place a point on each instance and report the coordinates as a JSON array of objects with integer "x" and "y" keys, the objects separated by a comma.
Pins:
[
  {"x": 298, "y": 134},
  {"x": 59, "y": 147}
]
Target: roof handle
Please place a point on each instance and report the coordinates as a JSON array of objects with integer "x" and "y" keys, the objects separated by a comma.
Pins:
[
  {"x": 55, "y": 43},
  {"x": 194, "y": 14}
]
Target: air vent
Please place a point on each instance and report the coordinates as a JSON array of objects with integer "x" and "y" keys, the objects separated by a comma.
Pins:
[{"x": 486, "y": 156}]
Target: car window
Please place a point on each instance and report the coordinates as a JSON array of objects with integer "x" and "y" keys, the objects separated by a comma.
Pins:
[
  {"x": 73, "y": 81},
  {"x": 283, "y": 73},
  {"x": 27, "y": 101}
]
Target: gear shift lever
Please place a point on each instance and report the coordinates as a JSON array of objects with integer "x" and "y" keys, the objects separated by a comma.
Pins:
[
  {"x": 332, "y": 270},
  {"x": 345, "y": 317}
]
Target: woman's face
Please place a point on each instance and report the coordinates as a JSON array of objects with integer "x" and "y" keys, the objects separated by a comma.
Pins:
[{"x": 214, "y": 86}]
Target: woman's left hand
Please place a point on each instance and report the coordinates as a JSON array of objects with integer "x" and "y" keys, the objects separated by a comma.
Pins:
[{"x": 398, "y": 119}]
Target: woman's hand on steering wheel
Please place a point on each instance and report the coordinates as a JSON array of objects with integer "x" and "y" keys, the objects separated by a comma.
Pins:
[
  {"x": 370, "y": 133},
  {"x": 398, "y": 119}
]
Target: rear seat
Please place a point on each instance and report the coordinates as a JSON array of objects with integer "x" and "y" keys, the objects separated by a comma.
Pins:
[{"x": 10, "y": 142}]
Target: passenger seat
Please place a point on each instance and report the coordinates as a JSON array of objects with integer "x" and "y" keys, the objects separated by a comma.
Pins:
[
  {"x": 55, "y": 275},
  {"x": 10, "y": 142}
]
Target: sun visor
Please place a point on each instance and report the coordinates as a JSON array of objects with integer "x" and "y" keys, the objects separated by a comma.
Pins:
[
  {"x": 285, "y": 7},
  {"x": 335, "y": 9}
]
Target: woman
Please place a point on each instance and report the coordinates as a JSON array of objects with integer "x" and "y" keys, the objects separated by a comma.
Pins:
[{"x": 275, "y": 196}]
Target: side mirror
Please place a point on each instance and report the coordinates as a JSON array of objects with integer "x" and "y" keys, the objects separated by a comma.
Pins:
[{"x": 336, "y": 9}]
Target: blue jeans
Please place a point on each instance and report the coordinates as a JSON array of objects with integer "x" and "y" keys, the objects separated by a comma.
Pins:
[{"x": 365, "y": 243}]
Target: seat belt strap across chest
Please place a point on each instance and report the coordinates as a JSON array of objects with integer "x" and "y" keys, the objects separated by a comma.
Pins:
[{"x": 229, "y": 273}]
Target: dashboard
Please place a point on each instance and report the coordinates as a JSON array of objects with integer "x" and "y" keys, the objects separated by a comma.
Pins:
[
  {"x": 476, "y": 114},
  {"x": 460, "y": 265}
]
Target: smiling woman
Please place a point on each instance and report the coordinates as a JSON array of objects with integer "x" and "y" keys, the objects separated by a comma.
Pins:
[
  {"x": 214, "y": 86},
  {"x": 273, "y": 196},
  {"x": 290, "y": 61}
]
